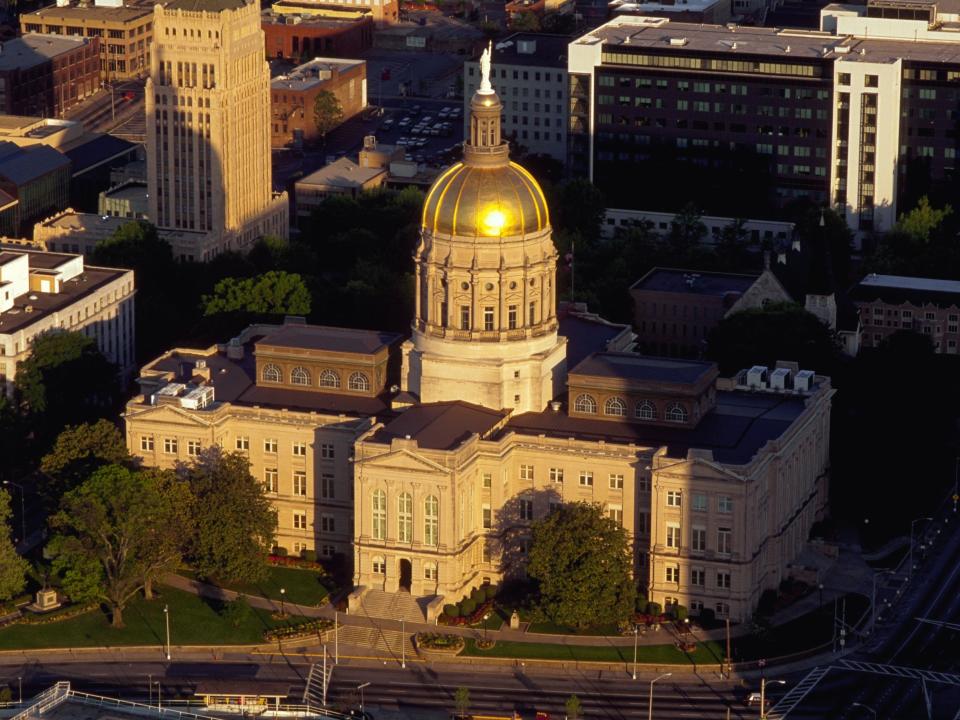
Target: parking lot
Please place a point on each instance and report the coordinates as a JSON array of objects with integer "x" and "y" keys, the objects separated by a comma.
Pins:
[{"x": 430, "y": 134}]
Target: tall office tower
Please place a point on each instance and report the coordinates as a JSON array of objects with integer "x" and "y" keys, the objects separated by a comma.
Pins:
[{"x": 208, "y": 127}]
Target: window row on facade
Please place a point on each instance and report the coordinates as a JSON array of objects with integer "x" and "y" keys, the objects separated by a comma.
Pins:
[
  {"x": 271, "y": 446},
  {"x": 327, "y": 378},
  {"x": 698, "y": 539},
  {"x": 405, "y": 518},
  {"x": 642, "y": 409},
  {"x": 699, "y": 502}
]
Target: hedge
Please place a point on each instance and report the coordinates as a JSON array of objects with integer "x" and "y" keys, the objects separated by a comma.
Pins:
[{"x": 300, "y": 630}]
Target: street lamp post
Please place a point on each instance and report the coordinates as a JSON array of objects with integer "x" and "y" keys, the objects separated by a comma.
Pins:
[
  {"x": 912, "y": 524},
  {"x": 636, "y": 632},
  {"x": 403, "y": 644},
  {"x": 159, "y": 701},
  {"x": 23, "y": 515},
  {"x": 20, "y": 690},
  {"x": 650, "y": 700},
  {"x": 360, "y": 688},
  {"x": 820, "y": 588},
  {"x": 150, "y": 689},
  {"x": 763, "y": 695},
  {"x": 166, "y": 616},
  {"x": 283, "y": 592},
  {"x": 865, "y": 707}
]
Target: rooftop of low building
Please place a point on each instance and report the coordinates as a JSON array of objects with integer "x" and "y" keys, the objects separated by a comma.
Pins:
[
  {"x": 21, "y": 165},
  {"x": 130, "y": 10},
  {"x": 341, "y": 173},
  {"x": 587, "y": 332},
  {"x": 532, "y": 49},
  {"x": 900, "y": 289},
  {"x": 330, "y": 339},
  {"x": 441, "y": 425},
  {"x": 316, "y": 71},
  {"x": 644, "y": 368},
  {"x": 695, "y": 282}
]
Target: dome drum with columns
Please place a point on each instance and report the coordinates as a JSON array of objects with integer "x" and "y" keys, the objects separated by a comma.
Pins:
[{"x": 485, "y": 270}]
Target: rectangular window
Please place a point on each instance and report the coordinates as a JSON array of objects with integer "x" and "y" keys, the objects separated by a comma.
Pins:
[
  {"x": 512, "y": 317},
  {"x": 722, "y": 610},
  {"x": 328, "y": 524},
  {"x": 616, "y": 481},
  {"x": 146, "y": 443},
  {"x": 299, "y": 520},
  {"x": 270, "y": 476},
  {"x": 526, "y": 472},
  {"x": 487, "y": 518},
  {"x": 643, "y": 523},
  {"x": 300, "y": 449},
  {"x": 300, "y": 483},
  {"x": 586, "y": 478},
  {"x": 723, "y": 579},
  {"x": 674, "y": 498},
  {"x": 193, "y": 448},
  {"x": 526, "y": 509},
  {"x": 326, "y": 452},
  {"x": 616, "y": 514},
  {"x": 170, "y": 446},
  {"x": 488, "y": 318},
  {"x": 379, "y": 566},
  {"x": 724, "y": 504},
  {"x": 673, "y": 574},
  {"x": 698, "y": 539},
  {"x": 698, "y": 576},
  {"x": 488, "y": 480},
  {"x": 243, "y": 443},
  {"x": 326, "y": 486},
  {"x": 533, "y": 313},
  {"x": 698, "y": 502},
  {"x": 723, "y": 541},
  {"x": 270, "y": 446},
  {"x": 464, "y": 317},
  {"x": 673, "y": 535},
  {"x": 643, "y": 483},
  {"x": 556, "y": 475}
]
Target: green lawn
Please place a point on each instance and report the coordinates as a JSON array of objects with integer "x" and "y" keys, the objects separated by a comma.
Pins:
[
  {"x": 303, "y": 587},
  {"x": 192, "y": 622},
  {"x": 554, "y": 629},
  {"x": 708, "y": 653}
]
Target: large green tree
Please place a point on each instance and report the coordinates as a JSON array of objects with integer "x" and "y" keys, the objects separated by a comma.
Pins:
[
  {"x": 77, "y": 452},
  {"x": 65, "y": 381},
  {"x": 327, "y": 113},
  {"x": 234, "y": 520},
  {"x": 778, "y": 331},
  {"x": 117, "y": 532},
  {"x": 13, "y": 568},
  {"x": 273, "y": 293},
  {"x": 581, "y": 561}
]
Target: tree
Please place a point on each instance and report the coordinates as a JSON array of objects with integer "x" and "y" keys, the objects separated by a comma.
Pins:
[
  {"x": 573, "y": 708},
  {"x": 581, "y": 561},
  {"x": 273, "y": 293},
  {"x": 234, "y": 521},
  {"x": 461, "y": 701},
  {"x": 13, "y": 568},
  {"x": 525, "y": 22},
  {"x": 778, "y": 331},
  {"x": 327, "y": 113},
  {"x": 921, "y": 222},
  {"x": 78, "y": 451},
  {"x": 117, "y": 532},
  {"x": 580, "y": 208},
  {"x": 686, "y": 229},
  {"x": 65, "y": 381},
  {"x": 135, "y": 245},
  {"x": 237, "y": 611}
]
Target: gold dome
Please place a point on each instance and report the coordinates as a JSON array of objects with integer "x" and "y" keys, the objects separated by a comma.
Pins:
[{"x": 475, "y": 201}]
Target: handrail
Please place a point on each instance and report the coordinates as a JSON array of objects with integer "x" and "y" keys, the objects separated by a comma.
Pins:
[{"x": 50, "y": 697}]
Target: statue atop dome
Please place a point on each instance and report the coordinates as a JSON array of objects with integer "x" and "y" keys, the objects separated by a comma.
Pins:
[{"x": 485, "y": 87}]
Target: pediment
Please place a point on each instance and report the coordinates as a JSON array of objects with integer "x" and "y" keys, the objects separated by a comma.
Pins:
[
  {"x": 169, "y": 414},
  {"x": 405, "y": 460}
]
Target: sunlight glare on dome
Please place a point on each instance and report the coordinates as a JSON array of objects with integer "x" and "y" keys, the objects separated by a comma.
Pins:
[{"x": 493, "y": 222}]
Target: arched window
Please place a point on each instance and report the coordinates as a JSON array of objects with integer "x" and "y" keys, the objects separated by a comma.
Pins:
[
  {"x": 329, "y": 379},
  {"x": 676, "y": 413},
  {"x": 431, "y": 521},
  {"x": 379, "y": 515},
  {"x": 645, "y": 410},
  {"x": 405, "y": 518},
  {"x": 359, "y": 381},
  {"x": 300, "y": 376},
  {"x": 271, "y": 373},
  {"x": 585, "y": 404},
  {"x": 615, "y": 406}
]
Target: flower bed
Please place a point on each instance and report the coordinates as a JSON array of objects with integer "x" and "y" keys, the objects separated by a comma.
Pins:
[
  {"x": 475, "y": 617},
  {"x": 445, "y": 643},
  {"x": 294, "y": 562},
  {"x": 63, "y": 613},
  {"x": 298, "y": 631}
]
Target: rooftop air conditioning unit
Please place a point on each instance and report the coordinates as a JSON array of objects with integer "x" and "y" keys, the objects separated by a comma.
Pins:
[
  {"x": 678, "y": 42},
  {"x": 757, "y": 377},
  {"x": 804, "y": 381},
  {"x": 780, "y": 379}
]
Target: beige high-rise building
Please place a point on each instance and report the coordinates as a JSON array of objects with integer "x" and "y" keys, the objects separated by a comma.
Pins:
[{"x": 208, "y": 127}]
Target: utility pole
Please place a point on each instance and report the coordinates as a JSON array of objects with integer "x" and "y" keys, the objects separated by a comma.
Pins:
[
  {"x": 336, "y": 638},
  {"x": 728, "y": 661}
]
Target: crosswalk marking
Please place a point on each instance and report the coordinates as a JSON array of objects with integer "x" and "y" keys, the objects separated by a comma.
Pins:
[{"x": 797, "y": 693}]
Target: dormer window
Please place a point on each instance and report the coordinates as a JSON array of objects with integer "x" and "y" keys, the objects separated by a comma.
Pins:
[
  {"x": 615, "y": 407},
  {"x": 271, "y": 373},
  {"x": 676, "y": 413},
  {"x": 585, "y": 404}
]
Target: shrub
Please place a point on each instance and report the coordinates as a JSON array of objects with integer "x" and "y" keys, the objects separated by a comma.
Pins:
[
  {"x": 490, "y": 591},
  {"x": 308, "y": 555},
  {"x": 280, "y": 551},
  {"x": 6, "y": 694},
  {"x": 653, "y": 608},
  {"x": 478, "y": 596},
  {"x": 680, "y": 613},
  {"x": 237, "y": 612},
  {"x": 451, "y": 610},
  {"x": 467, "y": 606},
  {"x": 641, "y": 604}
]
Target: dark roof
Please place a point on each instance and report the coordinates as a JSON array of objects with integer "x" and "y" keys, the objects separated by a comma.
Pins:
[
  {"x": 206, "y": 5},
  {"x": 550, "y": 51},
  {"x": 30, "y": 163},
  {"x": 98, "y": 151},
  {"x": 34, "y": 49},
  {"x": 631, "y": 366},
  {"x": 898, "y": 289},
  {"x": 332, "y": 339},
  {"x": 735, "y": 430},
  {"x": 694, "y": 282},
  {"x": 586, "y": 334},
  {"x": 442, "y": 425}
]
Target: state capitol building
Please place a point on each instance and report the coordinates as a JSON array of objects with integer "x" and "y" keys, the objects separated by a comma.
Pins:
[{"x": 424, "y": 460}]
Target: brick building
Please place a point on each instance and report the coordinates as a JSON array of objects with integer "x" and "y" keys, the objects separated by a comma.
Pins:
[
  {"x": 300, "y": 37},
  {"x": 38, "y": 177},
  {"x": 124, "y": 33},
  {"x": 43, "y": 75},
  {"x": 292, "y": 96}
]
